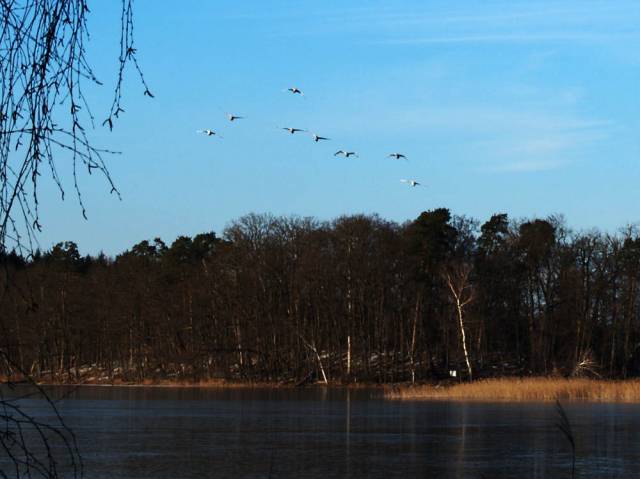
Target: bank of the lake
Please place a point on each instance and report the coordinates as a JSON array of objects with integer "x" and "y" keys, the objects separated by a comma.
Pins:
[
  {"x": 524, "y": 389},
  {"x": 492, "y": 389},
  {"x": 186, "y": 383}
]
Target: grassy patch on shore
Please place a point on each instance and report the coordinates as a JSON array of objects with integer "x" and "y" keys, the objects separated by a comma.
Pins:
[{"x": 525, "y": 389}]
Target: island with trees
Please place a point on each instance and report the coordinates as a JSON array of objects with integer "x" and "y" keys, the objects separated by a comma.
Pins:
[{"x": 290, "y": 300}]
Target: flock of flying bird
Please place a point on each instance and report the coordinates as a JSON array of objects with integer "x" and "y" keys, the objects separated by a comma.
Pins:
[{"x": 316, "y": 138}]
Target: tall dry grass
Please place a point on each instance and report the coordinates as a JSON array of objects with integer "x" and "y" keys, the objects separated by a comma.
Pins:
[{"x": 526, "y": 389}]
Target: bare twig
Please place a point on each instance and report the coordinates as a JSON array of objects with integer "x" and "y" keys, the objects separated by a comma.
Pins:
[
  {"x": 565, "y": 426},
  {"x": 44, "y": 112}
]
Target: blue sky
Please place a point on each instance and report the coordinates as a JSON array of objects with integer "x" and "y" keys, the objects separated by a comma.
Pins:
[{"x": 529, "y": 108}]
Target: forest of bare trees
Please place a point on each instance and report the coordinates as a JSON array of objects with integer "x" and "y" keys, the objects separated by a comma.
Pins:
[{"x": 355, "y": 299}]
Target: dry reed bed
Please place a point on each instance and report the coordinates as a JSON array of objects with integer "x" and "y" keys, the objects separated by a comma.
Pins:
[{"x": 526, "y": 389}]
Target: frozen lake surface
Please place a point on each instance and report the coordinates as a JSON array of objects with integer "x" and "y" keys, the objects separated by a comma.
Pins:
[{"x": 326, "y": 433}]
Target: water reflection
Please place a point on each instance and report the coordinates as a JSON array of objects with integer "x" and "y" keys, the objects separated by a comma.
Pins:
[{"x": 320, "y": 433}]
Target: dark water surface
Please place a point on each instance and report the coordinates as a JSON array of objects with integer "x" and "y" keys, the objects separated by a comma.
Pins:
[{"x": 327, "y": 433}]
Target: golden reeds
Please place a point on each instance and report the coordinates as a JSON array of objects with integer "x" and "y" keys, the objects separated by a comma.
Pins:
[{"x": 526, "y": 389}]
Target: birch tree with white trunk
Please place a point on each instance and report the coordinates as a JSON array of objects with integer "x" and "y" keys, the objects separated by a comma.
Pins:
[{"x": 457, "y": 278}]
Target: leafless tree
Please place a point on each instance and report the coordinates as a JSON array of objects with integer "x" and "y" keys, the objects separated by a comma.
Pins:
[
  {"x": 457, "y": 279},
  {"x": 31, "y": 446},
  {"x": 44, "y": 113},
  {"x": 260, "y": 301},
  {"x": 45, "y": 117}
]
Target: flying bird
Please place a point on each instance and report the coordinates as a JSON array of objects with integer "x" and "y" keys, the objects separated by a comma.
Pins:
[
  {"x": 397, "y": 156},
  {"x": 295, "y": 91},
  {"x": 208, "y": 132},
  {"x": 293, "y": 130},
  {"x": 346, "y": 154},
  {"x": 317, "y": 138},
  {"x": 411, "y": 182},
  {"x": 234, "y": 117}
]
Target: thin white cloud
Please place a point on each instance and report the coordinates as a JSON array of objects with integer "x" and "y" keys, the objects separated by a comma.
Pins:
[
  {"x": 513, "y": 38},
  {"x": 554, "y": 143},
  {"x": 467, "y": 22},
  {"x": 504, "y": 139},
  {"x": 540, "y": 150},
  {"x": 484, "y": 119},
  {"x": 545, "y": 144},
  {"x": 529, "y": 166},
  {"x": 503, "y": 14}
]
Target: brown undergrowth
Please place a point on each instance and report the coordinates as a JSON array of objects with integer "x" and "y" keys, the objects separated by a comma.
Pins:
[
  {"x": 525, "y": 389},
  {"x": 184, "y": 383}
]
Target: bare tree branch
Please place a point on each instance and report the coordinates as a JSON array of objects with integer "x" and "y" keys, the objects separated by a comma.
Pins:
[{"x": 44, "y": 113}]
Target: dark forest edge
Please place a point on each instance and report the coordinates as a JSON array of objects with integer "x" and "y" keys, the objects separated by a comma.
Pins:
[{"x": 292, "y": 300}]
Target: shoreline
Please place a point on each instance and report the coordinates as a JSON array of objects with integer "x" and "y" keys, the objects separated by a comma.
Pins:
[
  {"x": 209, "y": 384},
  {"x": 505, "y": 389}
]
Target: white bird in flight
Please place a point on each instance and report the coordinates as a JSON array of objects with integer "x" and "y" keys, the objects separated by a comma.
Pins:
[
  {"x": 346, "y": 154},
  {"x": 317, "y": 138},
  {"x": 293, "y": 130},
  {"x": 411, "y": 182},
  {"x": 397, "y": 156},
  {"x": 234, "y": 117},
  {"x": 208, "y": 132}
]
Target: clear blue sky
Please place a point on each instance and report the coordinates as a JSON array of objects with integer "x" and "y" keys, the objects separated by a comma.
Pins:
[{"x": 523, "y": 107}]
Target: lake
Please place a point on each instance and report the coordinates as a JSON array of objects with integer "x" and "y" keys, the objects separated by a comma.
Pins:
[{"x": 143, "y": 432}]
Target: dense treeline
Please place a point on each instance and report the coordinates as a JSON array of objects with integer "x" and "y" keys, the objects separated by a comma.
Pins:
[{"x": 359, "y": 298}]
